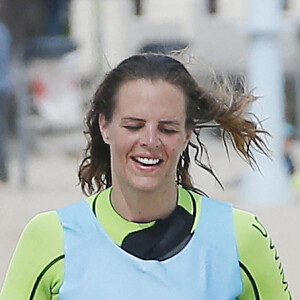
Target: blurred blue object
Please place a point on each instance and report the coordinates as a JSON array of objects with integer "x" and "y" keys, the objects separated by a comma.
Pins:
[
  {"x": 289, "y": 130},
  {"x": 6, "y": 90},
  {"x": 5, "y": 46},
  {"x": 57, "y": 16},
  {"x": 48, "y": 47}
]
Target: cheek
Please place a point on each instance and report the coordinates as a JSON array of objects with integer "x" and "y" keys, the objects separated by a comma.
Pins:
[
  {"x": 176, "y": 147},
  {"x": 122, "y": 145}
]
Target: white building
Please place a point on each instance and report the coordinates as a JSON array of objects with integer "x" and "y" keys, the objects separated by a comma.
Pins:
[{"x": 216, "y": 30}]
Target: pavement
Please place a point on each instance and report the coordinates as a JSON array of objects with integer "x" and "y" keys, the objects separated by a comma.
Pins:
[{"x": 51, "y": 173}]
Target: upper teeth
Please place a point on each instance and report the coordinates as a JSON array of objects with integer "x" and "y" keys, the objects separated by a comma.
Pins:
[{"x": 148, "y": 161}]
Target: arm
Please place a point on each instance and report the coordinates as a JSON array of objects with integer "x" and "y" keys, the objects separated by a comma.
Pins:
[
  {"x": 262, "y": 271},
  {"x": 36, "y": 269}
]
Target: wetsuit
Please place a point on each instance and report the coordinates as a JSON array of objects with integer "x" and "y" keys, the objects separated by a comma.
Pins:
[{"x": 37, "y": 267}]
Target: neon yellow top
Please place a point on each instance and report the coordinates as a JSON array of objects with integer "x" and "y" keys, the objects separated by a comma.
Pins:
[{"x": 37, "y": 267}]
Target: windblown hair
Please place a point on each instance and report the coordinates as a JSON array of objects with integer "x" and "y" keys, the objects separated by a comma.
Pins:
[{"x": 222, "y": 107}]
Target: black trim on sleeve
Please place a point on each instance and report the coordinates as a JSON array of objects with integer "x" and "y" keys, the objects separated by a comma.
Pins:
[
  {"x": 250, "y": 277},
  {"x": 265, "y": 234},
  {"x": 94, "y": 205},
  {"x": 39, "y": 278}
]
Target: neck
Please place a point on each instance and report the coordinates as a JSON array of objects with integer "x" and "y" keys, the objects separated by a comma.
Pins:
[{"x": 144, "y": 206}]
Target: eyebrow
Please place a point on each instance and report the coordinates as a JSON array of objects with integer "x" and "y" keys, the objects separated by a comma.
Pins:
[
  {"x": 171, "y": 122},
  {"x": 133, "y": 119},
  {"x": 167, "y": 122}
]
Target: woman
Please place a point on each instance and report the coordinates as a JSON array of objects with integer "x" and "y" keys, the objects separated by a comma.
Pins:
[{"x": 145, "y": 232}]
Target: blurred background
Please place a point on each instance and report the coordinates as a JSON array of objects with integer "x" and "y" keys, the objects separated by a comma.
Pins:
[{"x": 60, "y": 51}]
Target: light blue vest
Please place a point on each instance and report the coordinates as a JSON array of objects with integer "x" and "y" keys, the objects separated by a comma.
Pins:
[{"x": 96, "y": 268}]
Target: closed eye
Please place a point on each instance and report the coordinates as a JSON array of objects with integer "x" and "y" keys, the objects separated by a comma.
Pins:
[
  {"x": 133, "y": 127},
  {"x": 168, "y": 130}
]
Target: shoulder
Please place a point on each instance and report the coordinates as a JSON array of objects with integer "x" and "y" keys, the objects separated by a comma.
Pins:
[
  {"x": 44, "y": 225},
  {"x": 248, "y": 228},
  {"x": 243, "y": 220},
  {"x": 42, "y": 237},
  {"x": 250, "y": 231}
]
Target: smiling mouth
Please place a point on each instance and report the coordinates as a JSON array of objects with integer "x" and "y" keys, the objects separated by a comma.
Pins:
[{"x": 148, "y": 161}]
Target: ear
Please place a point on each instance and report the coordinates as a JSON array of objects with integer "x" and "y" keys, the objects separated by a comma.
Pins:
[
  {"x": 187, "y": 138},
  {"x": 103, "y": 125}
]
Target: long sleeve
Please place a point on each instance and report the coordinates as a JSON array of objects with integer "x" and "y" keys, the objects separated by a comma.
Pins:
[
  {"x": 262, "y": 271},
  {"x": 36, "y": 268}
]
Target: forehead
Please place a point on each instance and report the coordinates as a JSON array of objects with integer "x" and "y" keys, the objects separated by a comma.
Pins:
[{"x": 153, "y": 98}]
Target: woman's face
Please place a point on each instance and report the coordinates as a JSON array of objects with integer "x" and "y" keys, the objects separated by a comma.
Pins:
[{"x": 146, "y": 134}]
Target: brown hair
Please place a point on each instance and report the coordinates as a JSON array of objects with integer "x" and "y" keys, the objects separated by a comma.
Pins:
[{"x": 221, "y": 107}]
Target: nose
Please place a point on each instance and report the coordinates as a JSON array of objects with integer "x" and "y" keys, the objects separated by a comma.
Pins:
[{"x": 150, "y": 137}]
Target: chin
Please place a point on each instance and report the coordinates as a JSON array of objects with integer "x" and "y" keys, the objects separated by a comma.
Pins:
[{"x": 146, "y": 186}]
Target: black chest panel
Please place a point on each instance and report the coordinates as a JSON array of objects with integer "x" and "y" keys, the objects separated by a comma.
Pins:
[{"x": 162, "y": 240}]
